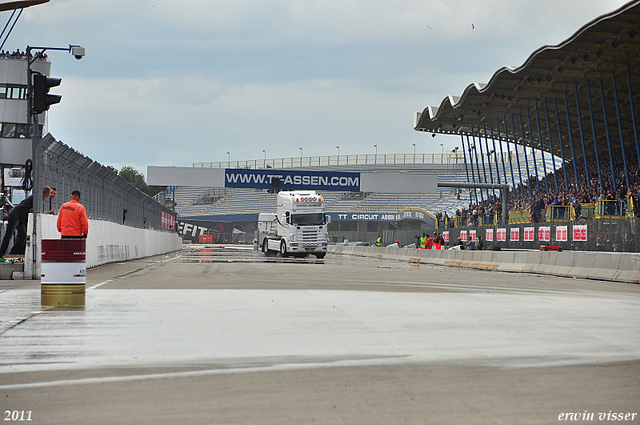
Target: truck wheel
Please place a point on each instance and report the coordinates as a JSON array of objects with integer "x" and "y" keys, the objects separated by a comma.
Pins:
[
  {"x": 283, "y": 249},
  {"x": 265, "y": 249}
]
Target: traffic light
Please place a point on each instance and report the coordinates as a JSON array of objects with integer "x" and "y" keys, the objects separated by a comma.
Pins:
[{"x": 41, "y": 97}]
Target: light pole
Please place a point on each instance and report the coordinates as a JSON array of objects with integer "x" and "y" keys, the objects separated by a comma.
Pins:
[
  {"x": 34, "y": 130},
  {"x": 264, "y": 152},
  {"x": 300, "y": 152},
  {"x": 338, "y": 148},
  {"x": 229, "y": 158},
  {"x": 376, "y": 146}
]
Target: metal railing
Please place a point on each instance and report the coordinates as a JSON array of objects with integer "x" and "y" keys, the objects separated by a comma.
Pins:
[{"x": 320, "y": 161}]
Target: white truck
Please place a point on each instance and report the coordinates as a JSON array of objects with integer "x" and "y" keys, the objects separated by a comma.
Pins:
[{"x": 299, "y": 227}]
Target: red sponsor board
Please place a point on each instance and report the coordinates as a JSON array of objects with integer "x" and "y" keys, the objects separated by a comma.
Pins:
[
  {"x": 463, "y": 235},
  {"x": 489, "y": 235},
  {"x": 501, "y": 235},
  {"x": 529, "y": 233},
  {"x": 544, "y": 234},
  {"x": 580, "y": 232},
  {"x": 168, "y": 221},
  {"x": 472, "y": 235},
  {"x": 561, "y": 233},
  {"x": 445, "y": 236},
  {"x": 515, "y": 234}
]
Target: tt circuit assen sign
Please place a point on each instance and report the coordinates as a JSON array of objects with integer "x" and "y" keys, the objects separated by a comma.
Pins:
[{"x": 292, "y": 180}]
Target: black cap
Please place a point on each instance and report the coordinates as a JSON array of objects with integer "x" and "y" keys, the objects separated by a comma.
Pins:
[{"x": 76, "y": 193}]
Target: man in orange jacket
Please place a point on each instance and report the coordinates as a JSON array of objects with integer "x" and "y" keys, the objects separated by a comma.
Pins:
[{"x": 72, "y": 219}]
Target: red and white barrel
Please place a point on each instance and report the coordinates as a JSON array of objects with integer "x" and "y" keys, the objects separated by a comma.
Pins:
[{"x": 64, "y": 272}]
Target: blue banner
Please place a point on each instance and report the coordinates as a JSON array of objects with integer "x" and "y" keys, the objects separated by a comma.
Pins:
[{"x": 292, "y": 180}]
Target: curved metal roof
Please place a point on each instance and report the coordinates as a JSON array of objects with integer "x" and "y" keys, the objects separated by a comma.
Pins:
[{"x": 605, "y": 50}]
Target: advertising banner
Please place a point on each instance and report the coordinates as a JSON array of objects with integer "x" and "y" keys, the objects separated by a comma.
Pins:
[
  {"x": 580, "y": 232},
  {"x": 472, "y": 235},
  {"x": 529, "y": 233},
  {"x": 292, "y": 180},
  {"x": 561, "y": 233},
  {"x": 544, "y": 234},
  {"x": 463, "y": 235},
  {"x": 168, "y": 221},
  {"x": 515, "y": 234},
  {"x": 501, "y": 235},
  {"x": 489, "y": 235}
]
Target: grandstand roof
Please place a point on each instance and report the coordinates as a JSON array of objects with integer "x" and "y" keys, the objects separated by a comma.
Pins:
[{"x": 605, "y": 49}]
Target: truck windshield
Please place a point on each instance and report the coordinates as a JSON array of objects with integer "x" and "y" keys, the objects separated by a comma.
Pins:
[{"x": 316, "y": 219}]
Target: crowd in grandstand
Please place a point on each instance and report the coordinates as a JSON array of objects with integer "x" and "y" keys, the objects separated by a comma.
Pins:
[{"x": 564, "y": 190}]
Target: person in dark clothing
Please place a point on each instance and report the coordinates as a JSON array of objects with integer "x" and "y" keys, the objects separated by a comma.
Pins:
[{"x": 17, "y": 220}]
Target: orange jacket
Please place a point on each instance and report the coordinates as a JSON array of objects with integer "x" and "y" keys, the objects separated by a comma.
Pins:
[
  {"x": 72, "y": 219},
  {"x": 429, "y": 243}
]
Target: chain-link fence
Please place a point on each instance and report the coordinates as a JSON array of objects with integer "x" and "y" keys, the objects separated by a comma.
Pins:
[{"x": 105, "y": 194}]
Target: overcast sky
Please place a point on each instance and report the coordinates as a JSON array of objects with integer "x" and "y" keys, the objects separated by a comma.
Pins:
[{"x": 167, "y": 82}]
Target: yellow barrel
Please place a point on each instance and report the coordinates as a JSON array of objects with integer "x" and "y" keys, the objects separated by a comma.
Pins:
[{"x": 63, "y": 278}]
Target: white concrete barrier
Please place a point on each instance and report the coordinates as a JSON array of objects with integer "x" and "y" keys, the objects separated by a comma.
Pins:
[
  {"x": 629, "y": 268},
  {"x": 564, "y": 263},
  {"x": 583, "y": 264},
  {"x": 619, "y": 267},
  {"x": 107, "y": 242},
  {"x": 605, "y": 266},
  {"x": 548, "y": 260}
]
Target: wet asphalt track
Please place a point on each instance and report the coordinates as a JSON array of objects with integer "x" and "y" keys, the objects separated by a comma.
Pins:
[{"x": 219, "y": 335}]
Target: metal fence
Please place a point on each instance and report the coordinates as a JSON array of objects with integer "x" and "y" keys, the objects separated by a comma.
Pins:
[{"x": 105, "y": 194}]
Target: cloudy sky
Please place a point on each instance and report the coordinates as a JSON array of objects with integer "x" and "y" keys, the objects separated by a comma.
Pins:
[{"x": 167, "y": 82}]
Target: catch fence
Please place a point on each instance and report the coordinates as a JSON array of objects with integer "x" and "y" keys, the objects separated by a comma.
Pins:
[{"x": 105, "y": 194}]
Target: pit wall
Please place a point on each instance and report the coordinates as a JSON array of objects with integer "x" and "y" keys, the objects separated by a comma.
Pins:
[
  {"x": 616, "y": 267},
  {"x": 107, "y": 242}
]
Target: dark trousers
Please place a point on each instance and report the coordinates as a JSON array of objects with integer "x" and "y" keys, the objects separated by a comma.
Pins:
[{"x": 14, "y": 223}]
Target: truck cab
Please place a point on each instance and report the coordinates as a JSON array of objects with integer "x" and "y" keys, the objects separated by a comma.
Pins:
[{"x": 299, "y": 227}]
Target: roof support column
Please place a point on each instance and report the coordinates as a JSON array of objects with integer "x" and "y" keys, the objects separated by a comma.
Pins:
[
  {"x": 515, "y": 145},
  {"x": 484, "y": 169},
  {"x": 504, "y": 167},
  {"x": 584, "y": 150},
  {"x": 544, "y": 163},
  {"x": 535, "y": 164},
  {"x": 471, "y": 148},
  {"x": 593, "y": 130},
  {"x": 467, "y": 168},
  {"x": 615, "y": 96},
  {"x": 573, "y": 153},
  {"x": 606, "y": 128},
  {"x": 633, "y": 114},
  {"x": 564, "y": 162},
  {"x": 526, "y": 159},
  {"x": 495, "y": 155},
  {"x": 506, "y": 138},
  {"x": 486, "y": 144}
]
